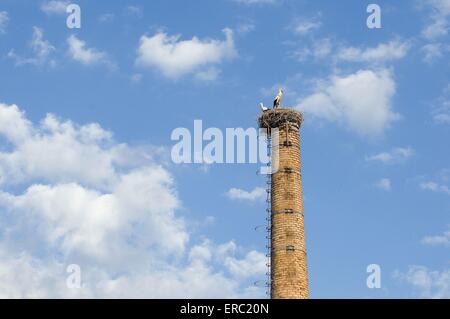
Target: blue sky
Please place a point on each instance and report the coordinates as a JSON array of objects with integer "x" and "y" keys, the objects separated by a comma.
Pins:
[{"x": 85, "y": 171}]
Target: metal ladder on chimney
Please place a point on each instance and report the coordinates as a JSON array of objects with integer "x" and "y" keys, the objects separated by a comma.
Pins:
[{"x": 268, "y": 212}]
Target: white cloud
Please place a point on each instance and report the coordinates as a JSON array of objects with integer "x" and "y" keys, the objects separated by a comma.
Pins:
[
  {"x": 439, "y": 18},
  {"x": 434, "y": 51},
  {"x": 303, "y": 26},
  {"x": 253, "y": 264},
  {"x": 96, "y": 225},
  {"x": 209, "y": 74},
  {"x": 4, "y": 19},
  {"x": 384, "y": 184},
  {"x": 428, "y": 283},
  {"x": 431, "y": 186},
  {"x": 311, "y": 46},
  {"x": 246, "y": 27},
  {"x": 438, "y": 28},
  {"x": 323, "y": 48},
  {"x": 176, "y": 58},
  {"x": 73, "y": 152},
  {"x": 23, "y": 276},
  {"x": 87, "y": 56},
  {"x": 435, "y": 187},
  {"x": 319, "y": 49},
  {"x": 108, "y": 207},
  {"x": 441, "y": 109},
  {"x": 437, "y": 184},
  {"x": 257, "y": 194},
  {"x": 443, "y": 118},
  {"x": 106, "y": 17},
  {"x": 361, "y": 101},
  {"x": 135, "y": 11},
  {"x": 13, "y": 124},
  {"x": 42, "y": 49},
  {"x": 54, "y": 7},
  {"x": 396, "y": 155},
  {"x": 393, "y": 50},
  {"x": 437, "y": 240}
]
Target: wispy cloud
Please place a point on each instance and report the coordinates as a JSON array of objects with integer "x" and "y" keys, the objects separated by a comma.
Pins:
[
  {"x": 302, "y": 26},
  {"x": 396, "y": 155},
  {"x": 384, "y": 184},
  {"x": 245, "y": 27},
  {"x": 435, "y": 187},
  {"x": 257, "y": 194},
  {"x": 441, "y": 108},
  {"x": 56, "y": 7},
  {"x": 434, "y": 51},
  {"x": 42, "y": 49},
  {"x": 135, "y": 11},
  {"x": 427, "y": 283},
  {"x": 337, "y": 52},
  {"x": 79, "y": 52},
  {"x": 318, "y": 49},
  {"x": 438, "y": 183},
  {"x": 4, "y": 19},
  {"x": 106, "y": 17},
  {"x": 393, "y": 50},
  {"x": 437, "y": 240},
  {"x": 438, "y": 25}
]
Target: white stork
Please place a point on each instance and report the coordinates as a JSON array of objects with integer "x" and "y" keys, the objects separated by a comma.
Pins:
[
  {"x": 263, "y": 108},
  {"x": 277, "y": 101}
]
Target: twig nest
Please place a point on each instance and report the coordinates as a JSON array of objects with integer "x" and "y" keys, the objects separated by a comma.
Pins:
[{"x": 279, "y": 117}]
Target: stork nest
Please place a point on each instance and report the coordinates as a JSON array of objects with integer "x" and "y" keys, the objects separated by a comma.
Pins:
[{"x": 279, "y": 117}]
